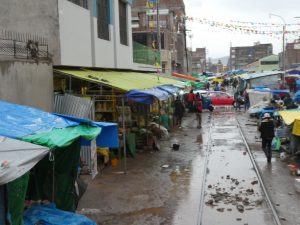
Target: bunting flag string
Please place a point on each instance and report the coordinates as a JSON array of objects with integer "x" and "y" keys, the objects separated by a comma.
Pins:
[{"x": 270, "y": 29}]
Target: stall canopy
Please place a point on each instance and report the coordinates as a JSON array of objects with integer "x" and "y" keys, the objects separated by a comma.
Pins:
[
  {"x": 43, "y": 128},
  {"x": 171, "y": 89},
  {"x": 109, "y": 131},
  {"x": 294, "y": 72},
  {"x": 271, "y": 91},
  {"x": 122, "y": 80},
  {"x": 289, "y": 116},
  {"x": 185, "y": 77},
  {"x": 17, "y": 158},
  {"x": 18, "y": 120},
  {"x": 147, "y": 96}
]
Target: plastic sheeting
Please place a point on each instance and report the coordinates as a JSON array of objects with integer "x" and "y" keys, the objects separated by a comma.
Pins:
[
  {"x": 109, "y": 132},
  {"x": 169, "y": 88},
  {"x": 271, "y": 91},
  {"x": 296, "y": 97},
  {"x": 17, "y": 158},
  {"x": 50, "y": 215},
  {"x": 58, "y": 138},
  {"x": 184, "y": 76},
  {"x": 296, "y": 127},
  {"x": 289, "y": 116},
  {"x": 147, "y": 96},
  {"x": 19, "y": 120}
]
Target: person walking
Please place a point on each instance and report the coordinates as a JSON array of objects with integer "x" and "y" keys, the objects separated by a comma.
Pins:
[
  {"x": 237, "y": 100},
  {"x": 207, "y": 85},
  {"x": 190, "y": 100},
  {"x": 198, "y": 109},
  {"x": 247, "y": 100},
  {"x": 178, "y": 111},
  {"x": 217, "y": 87},
  {"x": 267, "y": 130}
]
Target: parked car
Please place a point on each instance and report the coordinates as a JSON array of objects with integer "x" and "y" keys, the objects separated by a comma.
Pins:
[{"x": 219, "y": 98}]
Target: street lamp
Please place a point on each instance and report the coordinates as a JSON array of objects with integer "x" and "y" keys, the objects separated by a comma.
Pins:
[{"x": 283, "y": 43}]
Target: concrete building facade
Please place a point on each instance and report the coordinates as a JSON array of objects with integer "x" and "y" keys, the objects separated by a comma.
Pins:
[
  {"x": 174, "y": 54},
  {"x": 198, "y": 60},
  {"x": 242, "y": 56},
  {"x": 292, "y": 54},
  {"x": 79, "y": 33}
]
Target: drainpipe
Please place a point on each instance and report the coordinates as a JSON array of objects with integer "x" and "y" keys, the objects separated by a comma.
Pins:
[
  {"x": 93, "y": 54},
  {"x": 114, "y": 23}
]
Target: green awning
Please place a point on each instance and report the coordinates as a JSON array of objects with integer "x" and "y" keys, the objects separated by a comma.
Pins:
[
  {"x": 58, "y": 138},
  {"x": 125, "y": 81}
]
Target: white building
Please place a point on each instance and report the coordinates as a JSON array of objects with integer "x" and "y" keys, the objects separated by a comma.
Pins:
[
  {"x": 95, "y": 33},
  {"x": 77, "y": 33}
]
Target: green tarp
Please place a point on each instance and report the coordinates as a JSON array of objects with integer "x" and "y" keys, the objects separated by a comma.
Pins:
[
  {"x": 58, "y": 138},
  {"x": 67, "y": 144}
]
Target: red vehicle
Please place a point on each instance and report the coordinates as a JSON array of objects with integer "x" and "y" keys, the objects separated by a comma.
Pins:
[{"x": 219, "y": 98}]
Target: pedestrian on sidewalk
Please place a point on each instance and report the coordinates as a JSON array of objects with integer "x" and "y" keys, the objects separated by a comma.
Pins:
[
  {"x": 247, "y": 100},
  {"x": 178, "y": 111},
  {"x": 198, "y": 110},
  {"x": 190, "y": 99},
  {"x": 267, "y": 130}
]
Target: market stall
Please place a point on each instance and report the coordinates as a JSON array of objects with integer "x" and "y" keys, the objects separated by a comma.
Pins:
[
  {"x": 291, "y": 119},
  {"x": 54, "y": 176}
]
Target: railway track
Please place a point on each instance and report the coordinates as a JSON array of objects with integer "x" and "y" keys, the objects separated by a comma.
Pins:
[{"x": 232, "y": 181}]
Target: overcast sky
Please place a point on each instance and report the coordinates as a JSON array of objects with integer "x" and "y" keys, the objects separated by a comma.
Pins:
[{"x": 217, "y": 40}]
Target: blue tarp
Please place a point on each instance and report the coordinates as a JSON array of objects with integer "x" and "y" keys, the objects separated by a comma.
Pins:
[
  {"x": 109, "y": 132},
  {"x": 169, "y": 88},
  {"x": 298, "y": 84},
  {"x": 147, "y": 96},
  {"x": 272, "y": 91},
  {"x": 50, "y": 215},
  {"x": 294, "y": 72},
  {"x": 296, "y": 97},
  {"x": 19, "y": 121}
]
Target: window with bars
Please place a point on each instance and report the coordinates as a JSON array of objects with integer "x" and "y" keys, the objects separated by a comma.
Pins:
[
  {"x": 82, "y": 3},
  {"x": 103, "y": 19},
  {"x": 123, "y": 22}
]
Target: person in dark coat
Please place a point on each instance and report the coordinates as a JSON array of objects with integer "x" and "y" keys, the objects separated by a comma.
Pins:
[
  {"x": 178, "y": 110},
  {"x": 267, "y": 130}
]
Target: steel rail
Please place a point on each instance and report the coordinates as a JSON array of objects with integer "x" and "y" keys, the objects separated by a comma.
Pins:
[
  {"x": 267, "y": 197},
  {"x": 207, "y": 153}
]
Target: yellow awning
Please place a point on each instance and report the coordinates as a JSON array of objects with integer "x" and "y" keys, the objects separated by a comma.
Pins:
[
  {"x": 289, "y": 116},
  {"x": 119, "y": 79},
  {"x": 296, "y": 128}
]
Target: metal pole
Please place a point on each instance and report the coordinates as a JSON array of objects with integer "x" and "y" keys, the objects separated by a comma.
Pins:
[
  {"x": 124, "y": 136},
  {"x": 158, "y": 34},
  {"x": 185, "y": 47},
  {"x": 283, "y": 54}
]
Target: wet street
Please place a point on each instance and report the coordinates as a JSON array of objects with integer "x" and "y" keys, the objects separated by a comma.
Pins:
[{"x": 210, "y": 180}]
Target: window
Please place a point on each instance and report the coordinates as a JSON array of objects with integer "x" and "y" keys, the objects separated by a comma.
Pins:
[
  {"x": 123, "y": 22},
  {"x": 82, "y": 3},
  {"x": 103, "y": 19}
]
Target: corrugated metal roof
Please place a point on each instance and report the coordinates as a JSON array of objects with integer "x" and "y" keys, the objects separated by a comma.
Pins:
[{"x": 118, "y": 79}]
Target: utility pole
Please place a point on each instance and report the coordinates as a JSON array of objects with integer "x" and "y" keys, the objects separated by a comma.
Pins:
[
  {"x": 185, "y": 47},
  {"x": 158, "y": 34}
]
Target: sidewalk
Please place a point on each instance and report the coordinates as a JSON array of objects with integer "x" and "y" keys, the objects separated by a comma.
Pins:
[
  {"x": 276, "y": 176},
  {"x": 149, "y": 193}
]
